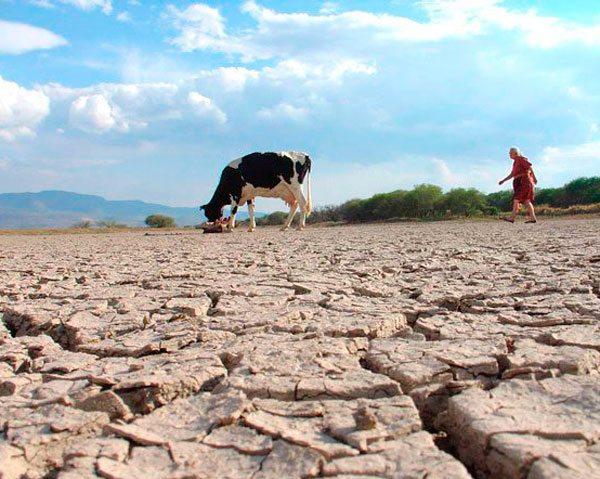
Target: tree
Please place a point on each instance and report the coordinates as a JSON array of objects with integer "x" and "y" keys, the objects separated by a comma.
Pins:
[
  {"x": 160, "y": 221},
  {"x": 110, "y": 224},
  {"x": 276, "y": 218},
  {"x": 422, "y": 199},
  {"x": 464, "y": 202},
  {"x": 501, "y": 200},
  {"x": 583, "y": 191},
  {"x": 83, "y": 224},
  {"x": 551, "y": 196}
]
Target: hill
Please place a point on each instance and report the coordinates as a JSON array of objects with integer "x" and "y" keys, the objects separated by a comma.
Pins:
[{"x": 57, "y": 209}]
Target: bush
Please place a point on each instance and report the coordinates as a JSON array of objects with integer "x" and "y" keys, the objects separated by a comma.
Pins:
[
  {"x": 420, "y": 202},
  {"x": 83, "y": 224},
  {"x": 463, "y": 202},
  {"x": 582, "y": 191},
  {"x": 502, "y": 200},
  {"x": 277, "y": 218},
  {"x": 160, "y": 221},
  {"x": 110, "y": 224},
  {"x": 326, "y": 214},
  {"x": 429, "y": 201}
]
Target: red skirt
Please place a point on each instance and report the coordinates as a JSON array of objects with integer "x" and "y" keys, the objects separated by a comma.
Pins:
[{"x": 523, "y": 189}]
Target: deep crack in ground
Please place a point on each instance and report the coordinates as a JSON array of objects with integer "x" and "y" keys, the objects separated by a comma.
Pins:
[{"x": 128, "y": 355}]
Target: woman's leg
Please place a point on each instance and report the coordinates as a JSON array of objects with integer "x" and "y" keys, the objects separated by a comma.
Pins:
[
  {"x": 515, "y": 210},
  {"x": 530, "y": 210}
]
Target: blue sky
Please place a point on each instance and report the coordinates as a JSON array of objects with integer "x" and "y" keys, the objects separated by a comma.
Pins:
[{"x": 149, "y": 100}]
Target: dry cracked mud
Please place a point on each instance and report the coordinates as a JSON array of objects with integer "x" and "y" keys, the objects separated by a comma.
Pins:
[{"x": 445, "y": 350}]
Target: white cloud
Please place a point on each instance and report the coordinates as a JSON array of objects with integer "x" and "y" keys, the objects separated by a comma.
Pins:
[
  {"x": 332, "y": 72},
  {"x": 123, "y": 107},
  {"x": 329, "y": 7},
  {"x": 201, "y": 27},
  {"x": 538, "y": 30},
  {"x": 42, "y": 3},
  {"x": 575, "y": 159},
  {"x": 292, "y": 73},
  {"x": 204, "y": 107},
  {"x": 284, "y": 111},
  {"x": 297, "y": 34},
  {"x": 94, "y": 113},
  {"x": 21, "y": 110},
  {"x": 230, "y": 78},
  {"x": 17, "y": 38},
  {"x": 358, "y": 33},
  {"x": 124, "y": 17},
  {"x": 104, "y": 5},
  {"x": 445, "y": 174},
  {"x": 481, "y": 174}
]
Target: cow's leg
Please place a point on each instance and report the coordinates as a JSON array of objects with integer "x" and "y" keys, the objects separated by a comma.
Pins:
[
  {"x": 252, "y": 222},
  {"x": 231, "y": 222},
  {"x": 303, "y": 210},
  {"x": 296, "y": 191},
  {"x": 288, "y": 221}
]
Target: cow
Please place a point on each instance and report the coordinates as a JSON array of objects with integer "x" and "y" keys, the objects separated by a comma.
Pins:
[{"x": 270, "y": 175}]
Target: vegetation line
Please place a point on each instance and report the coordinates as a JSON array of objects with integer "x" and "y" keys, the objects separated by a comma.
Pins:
[{"x": 580, "y": 196}]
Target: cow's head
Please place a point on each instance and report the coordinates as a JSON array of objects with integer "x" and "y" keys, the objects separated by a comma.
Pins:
[{"x": 212, "y": 212}]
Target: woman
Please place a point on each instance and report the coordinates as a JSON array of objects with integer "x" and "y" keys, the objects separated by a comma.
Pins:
[{"x": 523, "y": 185}]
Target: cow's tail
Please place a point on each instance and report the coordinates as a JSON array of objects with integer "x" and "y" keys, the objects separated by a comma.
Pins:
[{"x": 308, "y": 192}]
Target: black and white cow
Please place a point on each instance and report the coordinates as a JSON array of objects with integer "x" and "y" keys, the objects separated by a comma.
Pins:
[{"x": 271, "y": 175}]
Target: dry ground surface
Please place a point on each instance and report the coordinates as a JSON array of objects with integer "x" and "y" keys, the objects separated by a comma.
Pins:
[{"x": 444, "y": 350}]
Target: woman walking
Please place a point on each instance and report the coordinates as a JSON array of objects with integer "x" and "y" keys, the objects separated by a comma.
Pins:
[{"x": 523, "y": 185}]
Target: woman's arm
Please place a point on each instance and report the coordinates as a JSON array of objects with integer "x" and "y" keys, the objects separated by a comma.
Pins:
[
  {"x": 517, "y": 176},
  {"x": 533, "y": 176},
  {"x": 506, "y": 179}
]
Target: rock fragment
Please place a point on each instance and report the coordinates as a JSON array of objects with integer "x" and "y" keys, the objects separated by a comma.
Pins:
[{"x": 189, "y": 419}]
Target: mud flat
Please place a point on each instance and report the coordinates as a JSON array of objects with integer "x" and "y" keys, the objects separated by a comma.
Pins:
[{"x": 446, "y": 350}]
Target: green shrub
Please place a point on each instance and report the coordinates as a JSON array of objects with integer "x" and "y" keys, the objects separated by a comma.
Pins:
[
  {"x": 160, "y": 221},
  {"x": 110, "y": 224},
  {"x": 464, "y": 202},
  {"x": 430, "y": 202},
  {"x": 501, "y": 200},
  {"x": 83, "y": 224},
  {"x": 276, "y": 218}
]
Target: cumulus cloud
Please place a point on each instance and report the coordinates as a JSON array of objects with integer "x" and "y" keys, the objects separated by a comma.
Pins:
[
  {"x": 291, "y": 72},
  {"x": 21, "y": 110},
  {"x": 575, "y": 159},
  {"x": 284, "y": 111},
  {"x": 332, "y": 72},
  {"x": 42, "y": 3},
  {"x": 538, "y": 30},
  {"x": 200, "y": 26},
  {"x": 445, "y": 173},
  {"x": 124, "y": 17},
  {"x": 93, "y": 113},
  {"x": 231, "y": 79},
  {"x": 17, "y": 38},
  {"x": 123, "y": 107},
  {"x": 326, "y": 34},
  {"x": 204, "y": 107},
  {"x": 104, "y": 5},
  {"x": 87, "y": 5}
]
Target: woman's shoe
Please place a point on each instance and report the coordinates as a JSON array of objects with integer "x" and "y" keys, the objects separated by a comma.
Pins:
[
  {"x": 507, "y": 220},
  {"x": 530, "y": 221}
]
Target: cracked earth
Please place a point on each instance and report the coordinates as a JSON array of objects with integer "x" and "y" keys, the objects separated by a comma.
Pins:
[{"x": 445, "y": 350}]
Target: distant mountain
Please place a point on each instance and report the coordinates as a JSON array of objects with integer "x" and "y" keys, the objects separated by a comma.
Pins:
[{"x": 58, "y": 209}]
